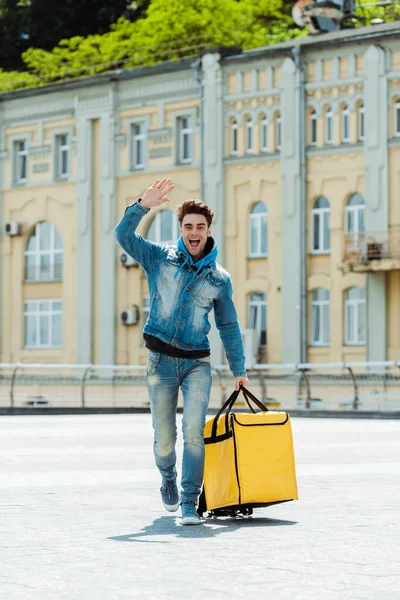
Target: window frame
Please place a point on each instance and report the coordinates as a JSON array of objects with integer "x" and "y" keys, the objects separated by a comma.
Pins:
[
  {"x": 396, "y": 124},
  {"x": 261, "y": 220},
  {"x": 38, "y": 253},
  {"x": 258, "y": 304},
  {"x": 249, "y": 135},
  {"x": 264, "y": 134},
  {"x": 156, "y": 222},
  {"x": 142, "y": 138},
  {"x": 320, "y": 307},
  {"x": 16, "y": 154},
  {"x": 329, "y": 126},
  {"x": 38, "y": 313},
  {"x": 361, "y": 123},
  {"x": 234, "y": 140},
  {"x": 320, "y": 213},
  {"x": 345, "y": 118},
  {"x": 313, "y": 128},
  {"x": 180, "y": 132},
  {"x": 353, "y": 305},
  {"x": 278, "y": 132},
  {"x": 59, "y": 148}
]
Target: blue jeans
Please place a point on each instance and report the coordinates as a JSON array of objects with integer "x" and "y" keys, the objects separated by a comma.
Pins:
[{"x": 165, "y": 375}]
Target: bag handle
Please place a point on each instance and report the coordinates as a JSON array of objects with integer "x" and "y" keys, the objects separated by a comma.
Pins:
[{"x": 228, "y": 405}]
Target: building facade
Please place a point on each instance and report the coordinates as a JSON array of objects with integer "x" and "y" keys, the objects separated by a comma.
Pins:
[{"x": 296, "y": 147}]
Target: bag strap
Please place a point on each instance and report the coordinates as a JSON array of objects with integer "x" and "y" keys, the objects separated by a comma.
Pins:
[
  {"x": 249, "y": 396},
  {"x": 228, "y": 405}
]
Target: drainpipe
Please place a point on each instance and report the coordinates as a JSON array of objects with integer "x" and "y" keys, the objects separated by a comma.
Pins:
[
  {"x": 296, "y": 51},
  {"x": 198, "y": 75}
]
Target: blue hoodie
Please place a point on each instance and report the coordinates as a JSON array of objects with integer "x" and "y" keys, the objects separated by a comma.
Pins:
[{"x": 197, "y": 266}]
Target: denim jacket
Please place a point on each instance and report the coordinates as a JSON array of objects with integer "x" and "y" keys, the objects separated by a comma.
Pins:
[{"x": 179, "y": 307}]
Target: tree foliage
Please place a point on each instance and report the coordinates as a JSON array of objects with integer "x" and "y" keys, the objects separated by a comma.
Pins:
[{"x": 163, "y": 30}]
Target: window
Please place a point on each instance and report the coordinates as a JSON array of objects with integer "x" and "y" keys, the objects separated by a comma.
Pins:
[
  {"x": 185, "y": 139},
  {"x": 62, "y": 156},
  {"x": 138, "y": 147},
  {"x": 345, "y": 125},
  {"x": 361, "y": 122},
  {"x": 44, "y": 254},
  {"x": 249, "y": 136},
  {"x": 329, "y": 126},
  {"x": 20, "y": 156},
  {"x": 258, "y": 230},
  {"x": 43, "y": 323},
  {"x": 354, "y": 219},
  {"x": 234, "y": 137},
  {"x": 313, "y": 128},
  {"x": 320, "y": 334},
  {"x": 278, "y": 131},
  {"x": 397, "y": 119},
  {"x": 355, "y": 317},
  {"x": 258, "y": 316},
  {"x": 264, "y": 134},
  {"x": 164, "y": 229},
  {"x": 321, "y": 235}
]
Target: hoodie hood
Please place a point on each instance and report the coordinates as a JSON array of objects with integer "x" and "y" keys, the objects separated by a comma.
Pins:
[{"x": 212, "y": 253}]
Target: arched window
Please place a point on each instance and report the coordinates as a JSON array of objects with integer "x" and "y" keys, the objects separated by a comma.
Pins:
[
  {"x": 164, "y": 228},
  {"x": 234, "y": 137},
  {"x": 258, "y": 230},
  {"x": 361, "y": 122},
  {"x": 329, "y": 126},
  {"x": 345, "y": 125},
  {"x": 321, "y": 235},
  {"x": 44, "y": 254},
  {"x": 397, "y": 119},
  {"x": 278, "y": 131},
  {"x": 249, "y": 136},
  {"x": 355, "y": 210},
  {"x": 313, "y": 128},
  {"x": 264, "y": 134},
  {"x": 258, "y": 316},
  {"x": 320, "y": 333},
  {"x": 355, "y": 317}
]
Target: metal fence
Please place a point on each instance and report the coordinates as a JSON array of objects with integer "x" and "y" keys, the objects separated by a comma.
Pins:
[{"x": 330, "y": 386}]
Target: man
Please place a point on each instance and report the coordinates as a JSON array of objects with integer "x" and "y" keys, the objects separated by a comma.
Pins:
[{"x": 185, "y": 284}]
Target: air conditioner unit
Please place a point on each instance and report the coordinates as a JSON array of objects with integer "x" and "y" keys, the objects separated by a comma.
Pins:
[
  {"x": 12, "y": 228},
  {"x": 130, "y": 316},
  {"x": 126, "y": 260},
  {"x": 250, "y": 343}
]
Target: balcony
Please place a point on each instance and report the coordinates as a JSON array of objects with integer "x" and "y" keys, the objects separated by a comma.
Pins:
[{"x": 371, "y": 251}]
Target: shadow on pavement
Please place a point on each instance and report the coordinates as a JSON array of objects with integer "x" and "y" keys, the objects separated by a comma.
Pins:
[{"x": 209, "y": 528}]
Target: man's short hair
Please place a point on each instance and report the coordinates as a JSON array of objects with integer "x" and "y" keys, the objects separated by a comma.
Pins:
[{"x": 196, "y": 207}]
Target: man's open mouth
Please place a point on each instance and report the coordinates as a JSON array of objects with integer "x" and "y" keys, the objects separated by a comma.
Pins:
[{"x": 194, "y": 243}]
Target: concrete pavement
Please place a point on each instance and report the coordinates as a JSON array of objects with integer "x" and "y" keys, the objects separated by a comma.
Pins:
[{"x": 81, "y": 518}]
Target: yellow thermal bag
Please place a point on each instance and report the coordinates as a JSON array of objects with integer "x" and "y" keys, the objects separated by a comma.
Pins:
[{"x": 249, "y": 458}]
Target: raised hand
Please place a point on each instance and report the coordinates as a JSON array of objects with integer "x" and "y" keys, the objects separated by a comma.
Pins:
[{"x": 157, "y": 193}]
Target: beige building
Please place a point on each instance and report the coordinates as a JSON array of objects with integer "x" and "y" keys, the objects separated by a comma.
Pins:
[{"x": 295, "y": 146}]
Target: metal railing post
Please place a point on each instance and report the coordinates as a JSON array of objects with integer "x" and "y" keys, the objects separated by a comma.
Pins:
[
  {"x": 84, "y": 379},
  {"x": 12, "y": 384},
  {"x": 356, "y": 400}
]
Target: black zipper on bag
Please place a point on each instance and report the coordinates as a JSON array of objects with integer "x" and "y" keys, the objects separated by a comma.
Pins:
[{"x": 259, "y": 424}]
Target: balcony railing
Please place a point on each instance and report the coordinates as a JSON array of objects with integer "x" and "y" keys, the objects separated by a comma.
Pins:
[
  {"x": 52, "y": 272},
  {"x": 367, "y": 246}
]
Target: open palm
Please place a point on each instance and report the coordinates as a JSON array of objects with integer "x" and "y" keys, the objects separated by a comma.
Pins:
[{"x": 157, "y": 193}]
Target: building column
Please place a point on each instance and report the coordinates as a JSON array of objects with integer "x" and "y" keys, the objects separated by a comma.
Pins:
[
  {"x": 213, "y": 129},
  {"x": 376, "y": 186},
  {"x": 84, "y": 268},
  {"x": 107, "y": 249},
  {"x": 291, "y": 213}
]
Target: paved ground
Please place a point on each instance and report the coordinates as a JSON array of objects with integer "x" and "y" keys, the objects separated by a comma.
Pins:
[{"x": 81, "y": 518}]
